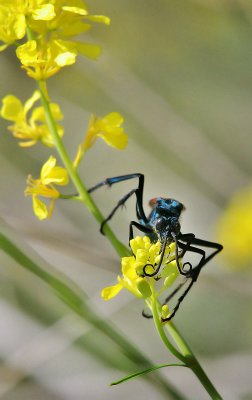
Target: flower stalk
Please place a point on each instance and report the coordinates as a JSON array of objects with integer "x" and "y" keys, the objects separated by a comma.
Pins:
[{"x": 73, "y": 173}]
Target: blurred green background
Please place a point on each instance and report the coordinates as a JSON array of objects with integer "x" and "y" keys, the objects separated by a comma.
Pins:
[{"x": 180, "y": 72}]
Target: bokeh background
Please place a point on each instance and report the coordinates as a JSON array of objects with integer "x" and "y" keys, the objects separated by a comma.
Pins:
[{"x": 180, "y": 72}]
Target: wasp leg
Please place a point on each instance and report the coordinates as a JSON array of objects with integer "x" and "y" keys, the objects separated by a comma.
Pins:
[
  {"x": 180, "y": 299},
  {"x": 156, "y": 270},
  {"x": 140, "y": 227},
  {"x": 148, "y": 316},
  {"x": 138, "y": 192},
  {"x": 194, "y": 272},
  {"x": 190, "y": 240},
  {"x": 120, "y": 203}
]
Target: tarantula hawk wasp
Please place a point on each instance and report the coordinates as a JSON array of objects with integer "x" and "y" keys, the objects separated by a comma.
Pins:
[{"x": 163, "y": 224}]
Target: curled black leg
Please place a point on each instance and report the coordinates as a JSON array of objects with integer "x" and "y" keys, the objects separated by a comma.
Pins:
[
  {"x": 156, "y": 270},
  {"x": 180, "y": 299},
  {"x": 193, "y": 273},
  {"x": 177, "y": 256},
  {"x": 148, "y": 316}
]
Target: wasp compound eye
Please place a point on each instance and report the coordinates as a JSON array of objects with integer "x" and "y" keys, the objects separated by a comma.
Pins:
[{"x": 160, "y": 224}]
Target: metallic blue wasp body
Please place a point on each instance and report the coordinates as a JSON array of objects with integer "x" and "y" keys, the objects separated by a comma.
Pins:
[{"x": 163, "y": 224}]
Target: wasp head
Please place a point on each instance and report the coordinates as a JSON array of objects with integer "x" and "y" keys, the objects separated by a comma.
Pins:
[{"x": 165, "y": 216}]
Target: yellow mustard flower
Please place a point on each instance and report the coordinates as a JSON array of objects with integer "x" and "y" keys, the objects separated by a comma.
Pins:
[
  {"x": 235, "y": 229},
  {"x": 50, "y": 175},
  {"x": 132, "y": 278},
  {"x": 70, "y": 20},
  {"x": 52, "y": 23},
  {"x": 12, "y": 26},
  {"x": 33, "y": 129},
  {"x": 14, "y": 15},
  {"x": 109, "y": 129},
  {"x": 41, "y": 59}
]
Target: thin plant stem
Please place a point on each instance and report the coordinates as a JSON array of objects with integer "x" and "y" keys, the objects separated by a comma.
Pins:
[
  {"x": 160, "y": 329},
  {"x": 80, "y": 187},
  {"x": 184, "y": 354},
  {"x": 191, "y": 361}
]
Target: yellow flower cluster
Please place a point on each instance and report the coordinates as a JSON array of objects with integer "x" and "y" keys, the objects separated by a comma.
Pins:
[
  {"x": 30, "y": 129},
  {"x": 133, "y": 279},
  {"x": 235, "y": 229},
  {"x": 50, "y": 175},
  {"x": 50, "y": 26}
]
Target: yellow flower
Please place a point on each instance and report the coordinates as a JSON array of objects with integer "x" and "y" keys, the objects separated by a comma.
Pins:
[
  {"x": 12, "y": 26},
  {"x": 50, "y": 175},
  {"x": 109, "y": 129},
  {"x": 70, "y": 20},
  {"x": 14, "y": 15},
  {"x": 33, "y": 129},
  {"x": 130, "y": 281},
  {"x": 52, "y": 23},
  {"x": 43, "y": 59},
  {"x": 132, "y": 278},
  {"x": 235, "y": 229}
]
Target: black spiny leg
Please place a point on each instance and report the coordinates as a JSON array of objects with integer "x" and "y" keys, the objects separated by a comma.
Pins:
[
  {"x": 193, "y": 273},
  {"x": 138, "y": 192},
  {"x": 140, "y": 227}
]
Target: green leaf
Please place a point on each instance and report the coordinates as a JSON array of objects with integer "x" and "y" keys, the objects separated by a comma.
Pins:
[
  {"x": 145, "y": 371},
  {"x": 76, "y": 299}
]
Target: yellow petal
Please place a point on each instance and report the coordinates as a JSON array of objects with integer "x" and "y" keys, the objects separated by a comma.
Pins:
[
  {"x": 28, "y": 143},
  {"x": 12, "y": 108},
  {"x": 119, "y": 141},
  {"x": 52, "y": 174},
  {"x": 47, "y": 167},
  {"x": 3, "y": 47},
  {"x": 46, "y": 137},
  {"x": 44, "y": 12},
  {"x": 27, "y": 52},
  {"x": 75, "y": 10},
  {"x": 102, "y": 19},
  {"x": 30, "y": 102},
  {"x": 111, "y": 291},
  {"x": 58, "y": 175},
  {"x": 66, "y": 58},
  {"x": 19, "y": 26},
  {"x": 89, "y": 50},
  {"x": 56, "y": 111},
  {"x": 39, "y": 208},
  {"x": 113, "y": 119}
]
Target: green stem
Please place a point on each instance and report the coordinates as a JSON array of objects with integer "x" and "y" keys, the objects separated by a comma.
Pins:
[
  {"x": 191, "y": 361},
  {"x": 184, "y": 354},
  {"x": 77, "y": 301},
  {"x": 160, "y": 329},
  {"x": 82, "y": 191}
]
